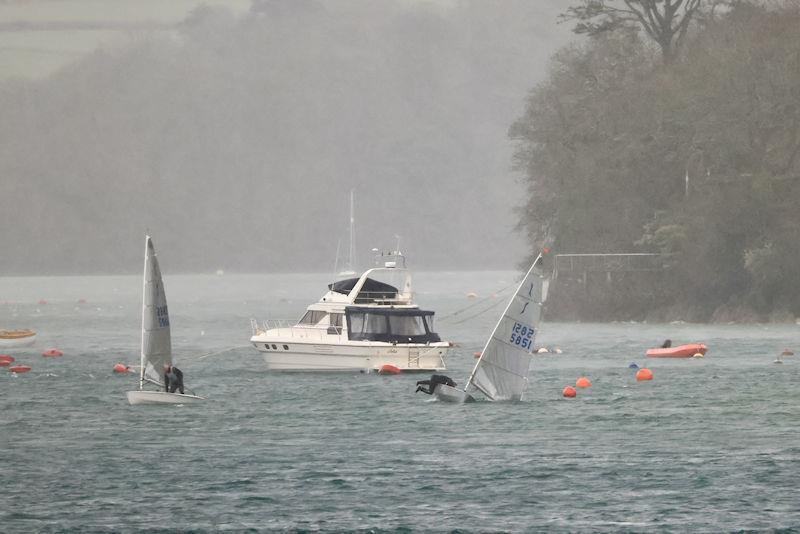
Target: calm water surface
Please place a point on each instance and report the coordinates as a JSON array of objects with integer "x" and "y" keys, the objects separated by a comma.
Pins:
[{"x": 709, "y": 445}]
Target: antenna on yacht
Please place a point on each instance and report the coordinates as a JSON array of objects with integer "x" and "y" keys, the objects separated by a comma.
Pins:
[
  {"x": 398, "y": 253},
  {"x": 336, "y": 261}
]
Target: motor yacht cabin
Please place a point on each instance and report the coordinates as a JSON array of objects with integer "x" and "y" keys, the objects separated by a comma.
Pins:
[{"x": 362, "y": 324}]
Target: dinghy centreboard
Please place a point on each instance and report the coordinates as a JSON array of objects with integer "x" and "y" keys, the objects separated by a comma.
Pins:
[
  {"x": 501, "y": 372},
  {"x": 156, "y": 337}
]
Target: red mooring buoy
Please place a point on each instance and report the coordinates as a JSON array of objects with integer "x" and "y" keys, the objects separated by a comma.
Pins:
[
  {"x": 6, "y": 360},
  {"x": 569, "y": 392},
  {"x": 19, "y": 368},
  {"x": 389, "y": 369},
  {"x": 52, "y": 353}
]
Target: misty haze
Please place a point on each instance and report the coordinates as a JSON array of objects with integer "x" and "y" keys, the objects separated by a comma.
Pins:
[{"x": 235, "y": 135}]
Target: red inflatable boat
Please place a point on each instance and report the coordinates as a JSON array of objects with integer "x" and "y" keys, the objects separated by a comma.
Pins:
[{"x": 680, "y": 351}]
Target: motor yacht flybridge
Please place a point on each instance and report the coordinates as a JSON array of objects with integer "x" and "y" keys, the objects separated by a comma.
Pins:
[{"x": 367, "y": 323}]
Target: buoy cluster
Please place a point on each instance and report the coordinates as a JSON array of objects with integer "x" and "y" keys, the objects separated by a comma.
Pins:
[
  {"x": 6, "y": 360},
  {"x": 570, "y": 392},
  {"x": 583, "y": 382}
]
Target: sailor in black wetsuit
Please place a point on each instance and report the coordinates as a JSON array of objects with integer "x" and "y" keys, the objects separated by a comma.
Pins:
[
  {"x": 173, "y": 379},
  {"x": 667, "y": 344},
  {"x": 433, "y": 382}
]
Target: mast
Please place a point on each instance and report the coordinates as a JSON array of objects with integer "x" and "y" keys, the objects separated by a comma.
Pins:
[
  {"x": 142, "y": 362},
  {"x": 499, "y": 322},
  {"x": 351, "y": 261}
]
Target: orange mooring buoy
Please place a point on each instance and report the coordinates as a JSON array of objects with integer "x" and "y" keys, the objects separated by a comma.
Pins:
[
  {"x": 583, "y": 382},
  {"x": 389, "y": 369},
  {"x": 569, "y": 392},
  {"x": 644, "y": 374},
  {"x": 6, "y": 360},
  {"x": 52, "y": 353},
  {"x": 19, "y": 369}
]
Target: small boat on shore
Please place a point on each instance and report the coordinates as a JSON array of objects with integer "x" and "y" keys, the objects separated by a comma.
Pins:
[
  {"x": 679, "y": 351},
  {"x": 17, "y": 338}
]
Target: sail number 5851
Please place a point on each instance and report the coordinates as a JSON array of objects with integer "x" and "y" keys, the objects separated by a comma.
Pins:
[{"x": 521, "y": 335}]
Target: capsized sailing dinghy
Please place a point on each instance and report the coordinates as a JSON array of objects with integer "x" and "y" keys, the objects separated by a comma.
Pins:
[
  {"x": 156, "y": 340},
  {"x": 501, "y": 372}
]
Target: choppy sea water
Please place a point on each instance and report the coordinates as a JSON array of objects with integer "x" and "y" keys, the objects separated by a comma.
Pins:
[{"x": 709, "y": 445}]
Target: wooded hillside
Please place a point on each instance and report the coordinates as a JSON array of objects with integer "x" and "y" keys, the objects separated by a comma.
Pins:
[{"x": 697, "y": 157}]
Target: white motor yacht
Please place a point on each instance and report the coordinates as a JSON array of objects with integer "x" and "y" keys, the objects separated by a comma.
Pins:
[{"x": 369, "y": 323}]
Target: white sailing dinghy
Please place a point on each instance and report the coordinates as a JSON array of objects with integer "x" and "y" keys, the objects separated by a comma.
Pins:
[
  {"x": 501, "y": 372},
  {"x": 156, "y": 341}
]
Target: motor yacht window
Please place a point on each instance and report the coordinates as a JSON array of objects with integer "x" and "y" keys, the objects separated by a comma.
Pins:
[
  {"x": 407, "y": 325},
  {"x": 392, "y": 326},
  {"x": 375, "y": 324},
  {"x": 355, "y": 324},
  {"x": 312, "y": 317},
  {"x": 336, "y": 319}
]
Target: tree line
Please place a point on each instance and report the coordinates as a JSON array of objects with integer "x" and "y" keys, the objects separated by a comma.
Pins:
[{"x": 690, "y": 149}]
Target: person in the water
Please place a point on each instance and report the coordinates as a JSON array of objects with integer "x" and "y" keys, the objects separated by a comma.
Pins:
[
  {"x": 173, "y": 379},
  {"x": 434, "y": 381},
  {"x": 667, "y": 344}
]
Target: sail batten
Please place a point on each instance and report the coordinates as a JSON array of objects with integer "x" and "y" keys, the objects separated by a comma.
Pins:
[
  {"x": 501, "y": 372},
  {"x": 509, "y": 371}
]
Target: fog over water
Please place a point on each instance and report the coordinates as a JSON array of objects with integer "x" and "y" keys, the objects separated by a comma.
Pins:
[{"x": 234, "y": 133}]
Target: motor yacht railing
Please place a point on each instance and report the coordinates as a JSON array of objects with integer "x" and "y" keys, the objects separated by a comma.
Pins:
[
  {"x": 380, "y": 297},
  {"x": 293, "y": 330},
  {"x": 414, "y": 360}
]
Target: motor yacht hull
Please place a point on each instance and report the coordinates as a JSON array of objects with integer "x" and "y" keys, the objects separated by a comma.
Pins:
[{"x": 367, "y": 356}]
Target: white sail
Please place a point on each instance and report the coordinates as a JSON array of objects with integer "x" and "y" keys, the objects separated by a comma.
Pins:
[
  {"x": 501, "y": 373},
  {"x": 156, "y": 342}
]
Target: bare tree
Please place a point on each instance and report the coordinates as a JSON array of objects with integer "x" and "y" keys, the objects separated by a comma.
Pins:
[{"x": 665, "y": 21}]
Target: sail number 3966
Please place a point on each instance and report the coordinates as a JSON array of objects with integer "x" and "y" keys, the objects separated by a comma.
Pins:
[{"x": 521, "y": 335}]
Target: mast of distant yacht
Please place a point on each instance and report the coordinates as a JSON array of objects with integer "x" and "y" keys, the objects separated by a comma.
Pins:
[{"x": 352, "y": 257}]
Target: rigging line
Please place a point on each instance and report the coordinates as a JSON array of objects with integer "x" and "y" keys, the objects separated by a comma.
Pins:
[
  {"x": 494, "y": 305},
  {"x": 479, "y": 301},
  {"x": 204, "y": 356}
]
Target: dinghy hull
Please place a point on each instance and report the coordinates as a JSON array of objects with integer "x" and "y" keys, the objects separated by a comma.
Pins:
[
  {"x": 17, "y": 338},
  {"x": 681, "y": 351},
  {"x": 446, "y": 393},
  {"x": 160, "y": 397}
]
